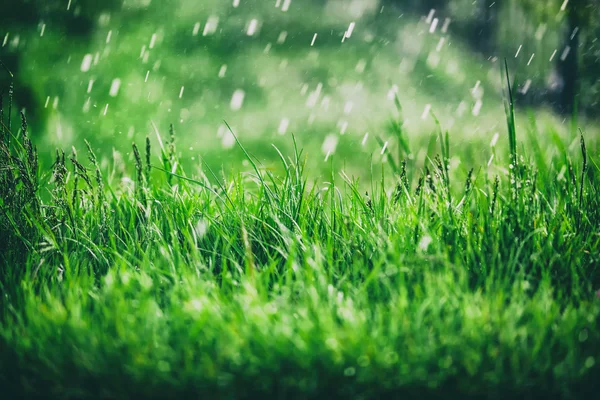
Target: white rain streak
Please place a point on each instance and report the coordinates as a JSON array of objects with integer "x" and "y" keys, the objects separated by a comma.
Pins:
[
  {"x": 237, "y": 100},
  {"x": 286, "y": 5},
  {"x": 446, "y": 25},
  {"x": 314, "y": 96},
  {"x": 477, "y": 84},
  {"x": 518, "y": 51},
  {"x": 553, "y": 54},
  {"x": 42, "y": 30},
  {"x": 477, "y": 107},
  {"x": 343, "y": 127},
  {"x": 384, "y": 148},
  {"x": 495, "y": 139},
  {"x": 440, "y": 44},
  {"x": 574, "y": 32},
  {"x": 196, "y": 29},
  {"x": 86, "y": 63},
  {"x": 283, "y": 126},
  {"x": 47, "y": 101},
  {"x": 360, "y": 66},
  {"x": 211, "y": 25},
  {"x": 86, "y": 105},
  {"x": 329, "y": 145},
  {"x": 312, "y": 43},
  {"x": 5, "y": 39},
  {"x": 540, "y": 32},
  {"x": 108, "y": 36},
  {"x": 105, "y": 109},
  {"x": 350, "y": 29},
  {"x": 236, "y": 3},
  {"x": 181, "y": 92},
  {"x": 147, "y": 75},
  {"x": 430, "y": 16},
  {"x": 565, "y": 53},
  {"x": 530, "y": 59},
  {"x": 114, "y": 87},
  {"x": 426, "y": 111},
  {"x": 434, "y": 25},
  {"x": 252, "y": 27},
  {"x": 526, "y": 86},
  {"x": 564, "y": 5},
  {"x": 69, "y": 5},
  {"x": 282, "y": 37},
  {"x": 152, "y": 41},
  {"x": 364, "y": 140},
  {"x": 90, "y": 86},
  {"x": 348, "y": 107},
  {"x": 222, "y": 71}
]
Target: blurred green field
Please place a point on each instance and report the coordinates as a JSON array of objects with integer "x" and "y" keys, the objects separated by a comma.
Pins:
[{"x": 146, "y": 65}]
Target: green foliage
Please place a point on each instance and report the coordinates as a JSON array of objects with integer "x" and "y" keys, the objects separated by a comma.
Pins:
[{"x": 263, "y": 284}]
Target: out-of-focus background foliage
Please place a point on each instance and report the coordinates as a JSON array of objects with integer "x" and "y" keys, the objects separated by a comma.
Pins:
[{"x": 327, "y": 71}]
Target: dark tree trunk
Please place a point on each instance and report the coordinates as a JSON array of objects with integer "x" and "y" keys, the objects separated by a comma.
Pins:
[{"x": 568, "y": 66}]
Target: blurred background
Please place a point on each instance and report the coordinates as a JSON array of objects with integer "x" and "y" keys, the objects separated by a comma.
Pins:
[{"x": 327, "y": 71}]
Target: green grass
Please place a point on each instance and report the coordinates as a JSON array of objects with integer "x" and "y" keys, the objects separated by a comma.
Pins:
[{"x": 437, "y": 283}]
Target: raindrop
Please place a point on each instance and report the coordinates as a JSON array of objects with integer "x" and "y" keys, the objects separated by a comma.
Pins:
[
  {"x": 434, "y": 25},
  {"x": 86, "y": 63},
  {"x": 477, "y": 107},
  {"x": 350, "y": 29},
  {"x": 211, "y": 25},
  {"x": 446, "y": 25},
  {"x": 364, "y": 140},
  {"x": 518, "y": 51},
  {"x": 430, "y": 16},
  {"x": 494, "y": 139},
  {"x": 283, "y": 126},
  {"x": 237, "y": 100},
  {"x": 531, "y": 59},
  {"x": 114, "y": 87},
  {"x": 152, "y": 41},
  {"x": 282, "y": 36},
  {"x": 426, "y": 111},
  {"x": 329, "y": 144},
  {"x": 361, "y": 65},
  {"x": 385, "y": 145},
  {"x": 252, "y": 27}
]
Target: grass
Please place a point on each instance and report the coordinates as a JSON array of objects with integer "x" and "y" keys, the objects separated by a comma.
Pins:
[{"x": 266, "y": 284}]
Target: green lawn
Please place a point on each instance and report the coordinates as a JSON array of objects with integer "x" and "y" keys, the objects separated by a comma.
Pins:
[{"x": 441, "y": 281}]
